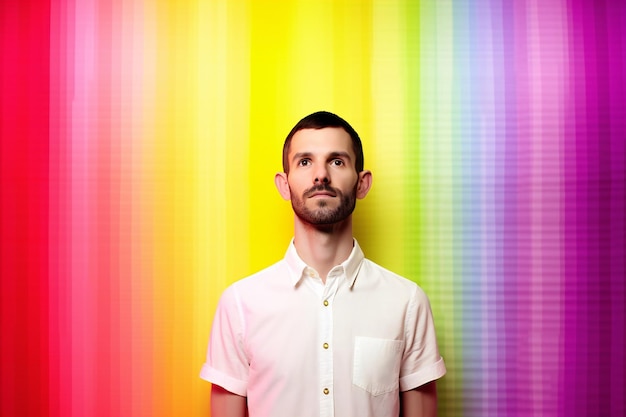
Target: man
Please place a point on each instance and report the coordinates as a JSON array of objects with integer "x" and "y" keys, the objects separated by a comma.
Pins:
[{"x": 324, "y": 332}]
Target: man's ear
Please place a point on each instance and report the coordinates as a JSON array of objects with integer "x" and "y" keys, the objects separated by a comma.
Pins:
[
  {"x": 364, "y": 184},
  {"x": 280, "y": 179}
]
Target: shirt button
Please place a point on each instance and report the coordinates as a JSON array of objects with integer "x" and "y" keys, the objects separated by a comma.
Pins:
[
  {"x": 326, "y": 391},
  {"x": 325, "y": 303},
  {"x": 325, "y": 345}
]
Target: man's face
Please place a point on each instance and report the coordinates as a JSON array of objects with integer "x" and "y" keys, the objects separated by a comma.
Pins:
[{"x": 322, "y": 178}]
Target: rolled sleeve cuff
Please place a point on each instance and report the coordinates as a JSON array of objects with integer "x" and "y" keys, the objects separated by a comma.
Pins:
[
  {"x": 228, "y": 383},
  {"x": 421, "y": 377}
]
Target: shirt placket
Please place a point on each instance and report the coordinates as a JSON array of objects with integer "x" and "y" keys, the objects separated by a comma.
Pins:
[{"x": 327, "y": 392}]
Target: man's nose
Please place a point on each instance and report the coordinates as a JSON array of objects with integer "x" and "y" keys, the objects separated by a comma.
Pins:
[{"x": 321, "y": 176}]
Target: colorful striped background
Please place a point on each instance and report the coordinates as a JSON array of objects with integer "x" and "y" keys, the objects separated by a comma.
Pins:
[{"x": 138, "y": 145}]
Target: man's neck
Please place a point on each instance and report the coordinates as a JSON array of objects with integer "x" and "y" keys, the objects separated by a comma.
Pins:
[{"x": 322, "y": 248}]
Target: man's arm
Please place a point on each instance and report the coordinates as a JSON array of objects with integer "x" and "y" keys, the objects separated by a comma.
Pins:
[
  {"x": 226, "y": 404},
  {"x": 420, "y": 401}
]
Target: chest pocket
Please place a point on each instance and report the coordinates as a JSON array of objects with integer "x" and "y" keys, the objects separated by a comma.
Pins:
[{"x": 376, "y": 366}]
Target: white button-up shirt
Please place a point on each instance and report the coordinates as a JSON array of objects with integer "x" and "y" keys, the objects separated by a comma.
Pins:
[{"x": 296, "y": 347}]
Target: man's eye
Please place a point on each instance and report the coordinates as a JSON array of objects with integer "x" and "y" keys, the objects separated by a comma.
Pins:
[
  {"x": 303, "y": 162},
  {"x": 337, "y": 162}
]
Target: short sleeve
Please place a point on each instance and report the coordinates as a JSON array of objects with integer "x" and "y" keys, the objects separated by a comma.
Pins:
[
  {"x": 226, "y": 363},
  {"x": 421, "y": 362}
]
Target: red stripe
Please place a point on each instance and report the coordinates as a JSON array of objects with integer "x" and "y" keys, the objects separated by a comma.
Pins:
[{"x": 24, "y": 130}]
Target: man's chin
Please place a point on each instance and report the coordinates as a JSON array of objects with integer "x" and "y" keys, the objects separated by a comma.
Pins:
[
  {"x": 320, "y": 204},
  {"x": 316, "y": 218}
]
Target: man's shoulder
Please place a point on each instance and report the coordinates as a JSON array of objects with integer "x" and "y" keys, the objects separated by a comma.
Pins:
[
  {"x": 393, "y": 279},
  {"x": 258, "y": 287},
  {"x": 275, "y": 271},
  {"x": 374, "y": 268}
]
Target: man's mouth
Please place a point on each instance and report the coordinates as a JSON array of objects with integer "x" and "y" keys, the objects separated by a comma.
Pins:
[{"x": 320, "y": 193}]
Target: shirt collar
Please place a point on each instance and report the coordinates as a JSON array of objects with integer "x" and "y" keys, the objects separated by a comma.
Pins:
[{"x": 297, "y": 267}]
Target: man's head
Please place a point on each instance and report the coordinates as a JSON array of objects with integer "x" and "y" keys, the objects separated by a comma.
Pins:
[
  {"x": 323, "y": 170},
  {"x": 321, "y": 120}
]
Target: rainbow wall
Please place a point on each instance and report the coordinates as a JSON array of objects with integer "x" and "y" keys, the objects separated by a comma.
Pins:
[{"x": 138, "y": 145}]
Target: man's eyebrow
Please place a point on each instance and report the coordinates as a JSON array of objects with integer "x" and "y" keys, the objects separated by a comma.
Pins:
[
  {"x": 301, "y": 155},
  {"x": 341, "y": 154}
]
